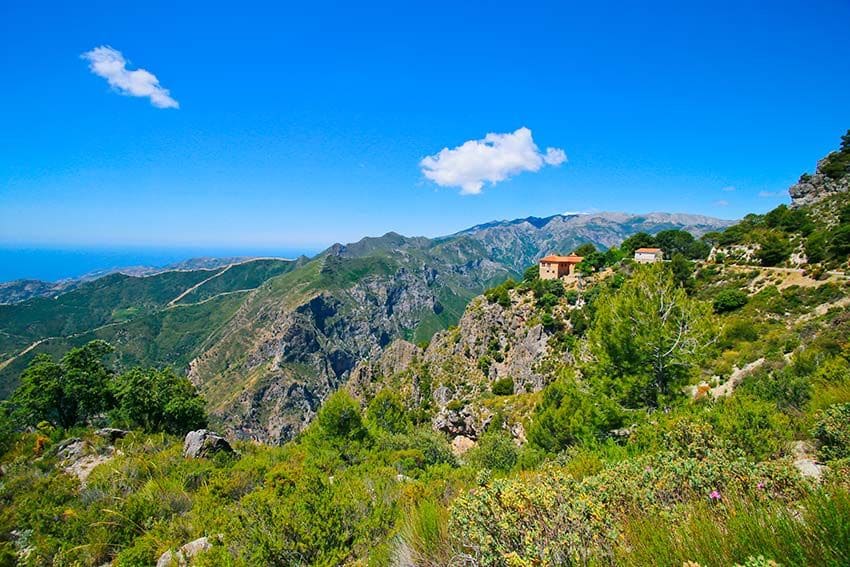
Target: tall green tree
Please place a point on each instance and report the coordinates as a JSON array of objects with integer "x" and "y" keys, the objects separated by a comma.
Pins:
[
  {"x": 635, "y": 241},
  {"x": 585, "y": 249},
  {"x": 647, "y": 337},
  {"x": 66, "y": 393},
  {"x": 774, "y": 248},
  {"x": 676, "y": 241},
  {"x": 683, "y": 271},
  {"x": 158, "y": 400}
]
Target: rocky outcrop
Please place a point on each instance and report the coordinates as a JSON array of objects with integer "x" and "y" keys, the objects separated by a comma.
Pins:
[
  {"x": 279, "y": 360},
  {"x": 461, "y": 444},
  {"x": 79, "y": 457},
  {"x": 813, "y": 188},
  {"x": 181, "y": 557},
  {"x": 491, "y": 342},
  {"x": 368, "y": 376},
  {"x": 202, "y": 443},
  {"x": 804, "y": 460},
  {"x": 469, "y": 421},
  {"x": 111, "y": 434}
]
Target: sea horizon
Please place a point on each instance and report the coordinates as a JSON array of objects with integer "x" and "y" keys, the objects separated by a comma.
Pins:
[{"x": 56, "y": 263}]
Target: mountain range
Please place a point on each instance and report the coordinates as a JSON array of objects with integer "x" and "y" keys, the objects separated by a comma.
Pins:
[{"x": 267, "y": 340}]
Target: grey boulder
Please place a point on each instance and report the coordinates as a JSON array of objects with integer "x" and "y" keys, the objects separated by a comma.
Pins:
[{"x": 204, "y": 443}]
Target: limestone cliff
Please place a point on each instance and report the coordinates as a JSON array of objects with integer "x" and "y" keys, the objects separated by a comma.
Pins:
[{"x": 811, "y": 189}]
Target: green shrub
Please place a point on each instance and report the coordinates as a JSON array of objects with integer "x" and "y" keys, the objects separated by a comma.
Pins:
[
  {"x": 387, "y": 412},
  {"x": 503, "y": 387},
  {"x": 737, "y": 330},
  {"x": 832, "y": 431},
  {"x": 496, "y": 451},
  {"x": 570, "y": 415},
  {"x": 729, "y": 300},
  {"x": 340, "y": 417},
  {"x": 816, "y": 247},
  {"x": 788, "y": 389},
  {"x": 751, "y": 425}
]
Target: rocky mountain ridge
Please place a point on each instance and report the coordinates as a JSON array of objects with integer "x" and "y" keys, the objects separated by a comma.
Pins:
[{"x": 267, "y": 342}]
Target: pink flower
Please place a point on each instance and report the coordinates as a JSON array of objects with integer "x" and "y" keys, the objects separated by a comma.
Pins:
[
  {"x": 760, "y": 486},
  {"x": 714, "y": 495}
]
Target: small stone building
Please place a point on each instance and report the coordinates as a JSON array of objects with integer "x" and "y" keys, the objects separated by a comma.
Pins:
[
  {"x": 553, "y": 266},
  {"x": 648, "y": 255}
]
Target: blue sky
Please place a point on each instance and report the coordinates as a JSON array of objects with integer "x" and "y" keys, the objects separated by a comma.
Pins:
[{"x": 301, "y": 125}]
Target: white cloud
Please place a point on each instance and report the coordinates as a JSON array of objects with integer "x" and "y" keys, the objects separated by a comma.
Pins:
[
  {"x": 729, "y": 188},
  {"x": 493, "y": 159},
  {"x": 722, "y": 203},
  {"x": 771, "y": 193},
  {"x": 110, "y": 64}
]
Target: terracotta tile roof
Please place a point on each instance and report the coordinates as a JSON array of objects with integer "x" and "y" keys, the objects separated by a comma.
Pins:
[
  {"x": 649, "y": 250},
  {"x": 555, "y": 259}
]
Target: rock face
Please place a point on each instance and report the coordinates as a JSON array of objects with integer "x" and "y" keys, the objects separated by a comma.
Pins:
[
  {"x": 461, "y": 445},
  {"x": 813, "y": 188},
  {"x": 203, "y": 443},
  {"x": 370, "y": 375},
  {"x": 287, "y": 350},
  {"x": 491, "y": 343}
]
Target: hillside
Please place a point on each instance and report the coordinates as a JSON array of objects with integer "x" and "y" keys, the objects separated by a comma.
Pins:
[
  {"x": 17, "y": 291},
  {"x": 268, "y": 340},
  {"x": 137, "y": 314},
  {"x": 543, "y": 429}
]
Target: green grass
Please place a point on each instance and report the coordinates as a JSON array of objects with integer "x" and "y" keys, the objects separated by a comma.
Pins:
[{"x": 815, "y": 531}]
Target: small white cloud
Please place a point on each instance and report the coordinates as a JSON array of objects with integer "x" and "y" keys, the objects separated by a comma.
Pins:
[
  {"x": 493, "y": 159},
  {"x": 771, "y": 193},
  {"x": 722, "y": 203},
  {"x": 110, "y": 64},
  {"x": 729, "y": 188}
]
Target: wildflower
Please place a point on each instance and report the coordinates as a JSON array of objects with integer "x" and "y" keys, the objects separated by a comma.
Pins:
[
  {"x": 715, "y": 495},
  {"x": 760, "y": 486}
]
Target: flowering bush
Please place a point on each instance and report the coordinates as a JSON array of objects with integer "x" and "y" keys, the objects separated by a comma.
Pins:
[{"x": 548, "y": 517}]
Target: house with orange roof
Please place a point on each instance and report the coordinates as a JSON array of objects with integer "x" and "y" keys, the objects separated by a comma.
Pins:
[{"x": 553, "y": 267}]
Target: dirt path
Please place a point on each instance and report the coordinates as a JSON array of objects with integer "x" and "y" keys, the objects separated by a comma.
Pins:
[
  {"x": 189, "y": 290},
  {"x": 186, "y": 292},
  {"x": 210, "y": 298},
  {"x": 170, "y": 305},
  {"x": 735, "y": 378},
  {"x": 9, "y": 361},
  {"x": 822, "y": 309}
]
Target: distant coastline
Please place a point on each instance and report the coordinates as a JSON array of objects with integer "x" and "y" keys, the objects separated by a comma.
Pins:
[{"x": 56, "y": 264}]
